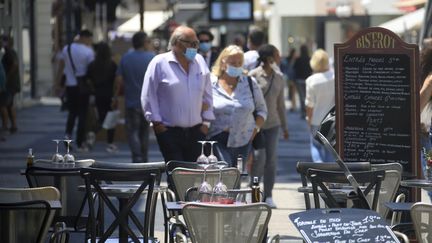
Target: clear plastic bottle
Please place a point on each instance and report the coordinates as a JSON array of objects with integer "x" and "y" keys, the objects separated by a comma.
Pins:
[
  {"x": 30, "y": 157},
  {"x": 240, "y": 164},
  {"x": 256, "y": 192}
]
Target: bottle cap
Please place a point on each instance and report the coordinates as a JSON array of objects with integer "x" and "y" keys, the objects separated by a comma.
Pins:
[
  {"x": 30, "y": 151},
  {"x": 255, "y": 179}
]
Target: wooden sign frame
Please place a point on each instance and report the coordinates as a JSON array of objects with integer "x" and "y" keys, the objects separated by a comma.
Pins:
[{"x": 369, "y": 43}]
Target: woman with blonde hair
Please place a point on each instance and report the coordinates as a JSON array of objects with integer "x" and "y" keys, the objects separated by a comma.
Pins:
[
  {"x": 320, "y": 98},
  {"x": 233, "y": 105}
]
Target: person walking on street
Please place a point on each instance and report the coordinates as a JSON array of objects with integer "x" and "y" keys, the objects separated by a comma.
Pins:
[
  {"x": 234, "y": 104},
  {"x": 3, "y": 98},
  {"x": 13, "y": 82},
  {"x": 130, "y": 77},
  {"x": 272, "y": 84},
  {"x": 302, "y": 70},
  {"x": 256, "y": 39},
  {"x": 320, "y": 98},
  {"x": 101, "y": 72},
  {"x": 287, "y": 67},
  {"x": 206, "y": 50},
  {"x": 177, "y": 97},
  {"x": 73, "y": 64}
]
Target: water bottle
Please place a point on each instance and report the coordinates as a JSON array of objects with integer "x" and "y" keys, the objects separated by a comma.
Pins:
[
  {"x": 240, "y": 164},
  {"x": 30, "y": 157},
  {"x": 256, "y": 193}
]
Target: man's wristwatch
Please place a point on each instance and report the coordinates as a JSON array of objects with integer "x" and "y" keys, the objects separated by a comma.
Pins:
[
  {"x": 206, "y": 123},
  {"x": 258, "y": 129}
]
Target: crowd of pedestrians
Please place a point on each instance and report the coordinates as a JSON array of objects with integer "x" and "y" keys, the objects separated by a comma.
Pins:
[{"x": 193, "y": 92}]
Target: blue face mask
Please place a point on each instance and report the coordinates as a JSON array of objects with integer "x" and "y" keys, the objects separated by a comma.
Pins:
[
  {"x": 190, "y": 53},
  {"x": 234, "y": 72},
  {"x": 204, "y": 46}
]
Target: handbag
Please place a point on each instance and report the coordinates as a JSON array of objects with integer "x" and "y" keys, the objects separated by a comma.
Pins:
[
  {"x": 259, "y": 140},
  {"x": 111, "y": 119},
  {"x": 84, "y": 85}
]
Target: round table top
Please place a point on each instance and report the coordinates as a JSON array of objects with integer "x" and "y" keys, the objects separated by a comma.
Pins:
[{"x": 420, "y": 183}]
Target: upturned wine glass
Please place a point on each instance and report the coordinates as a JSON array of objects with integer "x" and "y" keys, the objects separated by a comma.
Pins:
[
  {"x": 68, "y": 157},
  {"x": 220, "y": 189},
  {"x": 212, "y": 158},
  {"x": 205, "y": 188},
  {"x": 57, "y": 157}
]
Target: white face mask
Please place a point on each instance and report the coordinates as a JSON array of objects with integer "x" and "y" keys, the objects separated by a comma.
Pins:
[{"x": 275, "y": 67}]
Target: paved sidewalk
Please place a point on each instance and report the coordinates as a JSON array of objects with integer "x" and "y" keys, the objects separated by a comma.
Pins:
[{"x": 40, "y": 123}]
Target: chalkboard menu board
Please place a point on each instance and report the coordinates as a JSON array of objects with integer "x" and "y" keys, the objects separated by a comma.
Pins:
[
  {"x": 377, "y": 92},
  {"x": 342, "y": 225}
]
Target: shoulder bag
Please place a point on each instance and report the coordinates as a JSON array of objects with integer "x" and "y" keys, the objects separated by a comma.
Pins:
[
  {"x": 259, "y": 140},
  {"x": 84, "y": 85}
]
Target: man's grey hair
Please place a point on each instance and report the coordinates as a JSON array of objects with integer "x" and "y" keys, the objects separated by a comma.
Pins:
[{"x": 177, "y": 34}]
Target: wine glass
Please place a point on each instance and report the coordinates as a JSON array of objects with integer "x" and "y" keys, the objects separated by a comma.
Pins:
[
  {"x": 212, "y": 158},
  {"x": 69, "y": 158},
  {"x": 220, "y": 190},
  {"x": 57, "y": 157},
  {"x": 205, "y": 188}
]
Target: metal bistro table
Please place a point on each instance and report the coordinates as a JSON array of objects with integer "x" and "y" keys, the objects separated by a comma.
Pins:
[
  {"x": 418, "y": 183},
  {"x": 60, "y": 174}
]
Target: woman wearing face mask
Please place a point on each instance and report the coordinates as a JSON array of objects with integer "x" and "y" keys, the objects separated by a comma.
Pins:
[
  {"x": 271, "y": 82},
  {"x": 233, "y": 106}
]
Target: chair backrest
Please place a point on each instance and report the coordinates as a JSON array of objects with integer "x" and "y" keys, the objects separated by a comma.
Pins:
[
  {"x": 303, "y": 167},
  {"x": 184, "y": 179},
  {"x": 421, "y": 214},
  {"x": 25, "y": 213},
  {"x": 320, "y": 179},
  {"x": 227, "y": 223},
  {"x": 389, "y": 186},
  {"x": 156, "y": 167},
  {"x": 145, "y": 178}
]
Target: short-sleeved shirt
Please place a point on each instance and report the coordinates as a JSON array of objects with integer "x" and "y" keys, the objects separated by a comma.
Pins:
[
  {"x": 234, "y": 113},
  {"x": 82, "y": 56},
  {"x": 132, "y": 68},
  {"x": 320, "y": 95}
]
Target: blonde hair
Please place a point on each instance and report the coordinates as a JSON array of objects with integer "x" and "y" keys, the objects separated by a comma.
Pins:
[
  {"x": 319, "y": 61},
  {"x": 230, "y": 50}
]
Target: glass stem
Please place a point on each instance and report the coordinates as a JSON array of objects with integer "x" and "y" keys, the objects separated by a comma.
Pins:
[
  {"x": 57, "y": 147},
  {"x": 205, "y": 176},
  {"x": 220, "y": 175}
]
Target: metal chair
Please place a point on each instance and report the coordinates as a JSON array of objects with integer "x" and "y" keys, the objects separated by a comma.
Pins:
[
  {"x": 145, "y": 178},
  {"x": 303, "y": 167},
  {"x": 320, "y": 179},
  {"x": 389, "y": 186},
  {"x": 27, "y": 213},
  {"x": 421, "y": 214},
  {"x": 227, "y": 223}
]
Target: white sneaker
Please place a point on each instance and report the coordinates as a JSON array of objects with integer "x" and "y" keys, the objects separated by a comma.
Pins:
[
  {"x": 111, "y": 148},
  {"x": 91, "y": 139},
  {"x": 270, "y": 202}
]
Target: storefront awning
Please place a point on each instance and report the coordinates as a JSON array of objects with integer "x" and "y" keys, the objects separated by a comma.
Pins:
[
  {"x": 152, "y": 20},
  {"x": 406, "y": 22}
]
